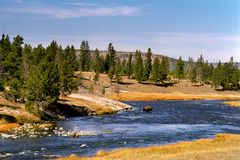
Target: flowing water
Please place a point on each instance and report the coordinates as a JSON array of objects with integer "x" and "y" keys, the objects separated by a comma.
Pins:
[{"x": 169, "y": 122}]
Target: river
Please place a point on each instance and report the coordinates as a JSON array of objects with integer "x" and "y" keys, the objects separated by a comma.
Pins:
[{"x": 169, "y": 122}]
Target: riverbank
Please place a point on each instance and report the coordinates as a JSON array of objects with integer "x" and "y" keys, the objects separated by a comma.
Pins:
[
  {"x": 139, "y": 96},
  {"x": 7, "y": 127},
  {"x": 12, "y": 114},
  {"x": 233, "y": 103},
  {"x": 223, "y": 146}
]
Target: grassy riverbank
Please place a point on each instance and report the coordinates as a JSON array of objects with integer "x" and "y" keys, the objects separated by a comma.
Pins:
[
  {"x": 139, "y": 96},
  {"x": 233, "y": 103},
  {"x": 223, "y": 147}
]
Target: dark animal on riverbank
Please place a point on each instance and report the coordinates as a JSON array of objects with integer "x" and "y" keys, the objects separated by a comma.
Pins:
[{"x": 147, "y": 109}]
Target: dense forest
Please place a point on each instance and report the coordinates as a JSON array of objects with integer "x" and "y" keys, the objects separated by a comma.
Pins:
[{"x": 37, "y": 76}]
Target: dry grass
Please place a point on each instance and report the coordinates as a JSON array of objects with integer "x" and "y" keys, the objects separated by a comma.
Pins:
[
  {"x": 130, "y": 89},
  {"x": 172, "y": 96},
  {"x": 223, "y": 147},
  {"x": 233, "y": 103},
  {"x": 7, "y": 126}
]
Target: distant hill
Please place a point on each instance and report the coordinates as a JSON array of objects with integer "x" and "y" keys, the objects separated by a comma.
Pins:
[{"x": 124, "y": 55}]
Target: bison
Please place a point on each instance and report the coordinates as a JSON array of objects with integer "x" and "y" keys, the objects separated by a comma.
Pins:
[{"x": 147, "y": 109}]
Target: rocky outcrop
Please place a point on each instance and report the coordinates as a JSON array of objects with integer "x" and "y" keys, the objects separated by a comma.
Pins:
[
  {"x": 15, "y": 112},
  {"x": 91, "y": 105}
]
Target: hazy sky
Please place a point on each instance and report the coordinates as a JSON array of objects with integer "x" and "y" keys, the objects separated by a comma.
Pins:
[{"x": 169, "y": 27}]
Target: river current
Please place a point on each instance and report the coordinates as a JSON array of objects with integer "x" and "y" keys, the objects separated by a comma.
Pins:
[{"x": 169, "y": 122}]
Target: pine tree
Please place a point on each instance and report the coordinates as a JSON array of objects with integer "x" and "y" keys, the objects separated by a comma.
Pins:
[
  {"x": 155, "y": 73},
  {"x": 43, "y": 82},
  {"x": 96, "y": 65},
  {"x": 118, "y": 71},
  {"x": 66, "y": 71},
  {"x": 206, "y": 72},
  {"x": 180, "y": 68},
  {"x": 138, "y": 69},
  {"x": 107, "y": 63},
  {"x": 96, "y": 61},
  {"x": 26, "y": 62},
  {"x": 73, "y": 56},
  {"x": 12, "y": 64},
  {"x": 210, "y": 72},
  {"x": 164, "y": 68},
  {"x": 42, "y": 87},
  {"x": 189, "y": 68},
  {"x": 111, "y": 74},
  {"x": 217, "y": 75},
  {"x": 200, "y": 69},
  {"x": 112, "y": 56},
  {"x": 124, "y": 67},
  {"x": 84, "y": 56},
  {"x": 148, "y": 63},
  {"x": 5, "y": 46},
  {"x": 193, "y": 75},
  {"x": 129, "y": 66},
  {"x": 235, "y": 79},
  {"x": 101, "y": 59},
  {"x": 38, "y": 54}
]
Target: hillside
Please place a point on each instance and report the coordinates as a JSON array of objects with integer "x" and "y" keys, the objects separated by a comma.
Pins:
[{"x": 131, "y": 88}]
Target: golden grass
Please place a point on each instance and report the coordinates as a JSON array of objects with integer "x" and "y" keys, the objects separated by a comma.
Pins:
[
  {"x": 222, "y": 147},
  {"x": 233, "y": 103},
  {"x": 139, "y": 96},
  {"x": 8, "y": 126}
]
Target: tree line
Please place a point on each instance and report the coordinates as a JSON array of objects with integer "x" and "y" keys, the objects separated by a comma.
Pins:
[
  {"x": 37, "y": 76},
  {"x": 224, "y": 76}
]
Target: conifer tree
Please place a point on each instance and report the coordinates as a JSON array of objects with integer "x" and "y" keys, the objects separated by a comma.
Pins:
[
  {"x": 12, "y": 64},
  {"x": 73, "y": 56},
  {"x": 148, "y": 63},
  {"x": 26, "y": 62},
  {"x": 118, "y": 71},
  {"x": 138, "y": 69},
  {"x": 112, "y": 55},
  {"x": 164, "y": 68},
  {"x": 124, "y": 67},
  {"x": 107, "y": 63},
  {"x": 193, "y": 75},
  {"x": 180, "y": 68},
  {"x": 111, "y": 74},
  {"x": 217, "y": 75},
  {"x": 5, "y": 45},
  {"x": 96, "y": 61},
  {"x": 189, "y": 67},
  {"x": 66, "y": 72},
  {"x": 155, "y": 73},
  {"x": 200, "y": 69},
  {"x": 84, "y": 56},
  {"x": 129, "y": 66}
]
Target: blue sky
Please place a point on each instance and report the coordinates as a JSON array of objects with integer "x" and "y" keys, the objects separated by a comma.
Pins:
[{"x": 170, "y": 27}]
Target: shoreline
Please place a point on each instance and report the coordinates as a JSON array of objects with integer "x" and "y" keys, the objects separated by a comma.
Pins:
[
  {"x": 138, "y": 96},
  {"x": 233, "y": 103},
  {"x": 222, "y": 146}
]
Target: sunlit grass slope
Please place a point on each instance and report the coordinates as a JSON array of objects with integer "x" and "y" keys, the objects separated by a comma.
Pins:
[{"x": 223, "y": 147}]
